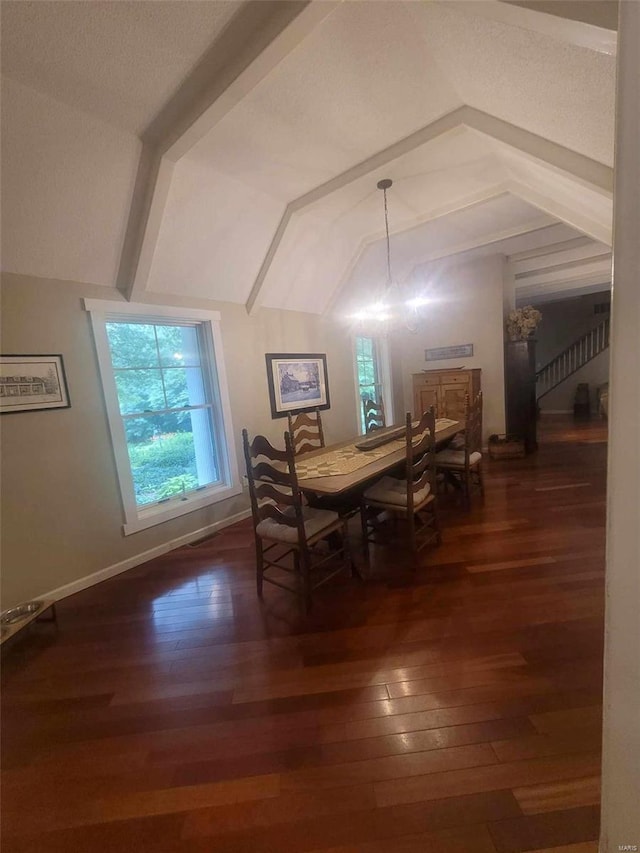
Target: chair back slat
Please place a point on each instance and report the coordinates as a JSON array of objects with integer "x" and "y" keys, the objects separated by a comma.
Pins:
[
  {"x": 273, "y": 511},
  {"x": 306, "y": 440},
  {"x": 374, "y": 417},
  {"x": 420, "y": 454},
  {"x": 265, "y": 479},
  {"x": 268, "y": 492},
  {"x": 261, "y": 446},
  {"x": 306, "y": 431},
  {"x": 266, "y": 471}
]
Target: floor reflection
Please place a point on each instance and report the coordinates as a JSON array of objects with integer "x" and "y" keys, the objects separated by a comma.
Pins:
[{"x": 194, "y": 604}]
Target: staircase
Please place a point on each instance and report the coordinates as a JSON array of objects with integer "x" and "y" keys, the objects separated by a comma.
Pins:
[{"x": 572, "y": 358}]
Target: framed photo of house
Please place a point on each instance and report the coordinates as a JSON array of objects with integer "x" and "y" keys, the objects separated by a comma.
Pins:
[
  {"x": 29, "y": 383},
  {"x": 297, "y": 381}
]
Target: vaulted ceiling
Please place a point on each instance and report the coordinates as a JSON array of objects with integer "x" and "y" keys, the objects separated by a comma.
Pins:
[{"x": 243, "y": 142}]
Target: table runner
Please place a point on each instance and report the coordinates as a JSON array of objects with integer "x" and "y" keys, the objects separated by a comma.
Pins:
[{"x": 348, "y": 459}]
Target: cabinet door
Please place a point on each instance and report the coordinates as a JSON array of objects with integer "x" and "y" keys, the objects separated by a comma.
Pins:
[
  {"x": 453, "y": 397},
  {"x": 426, "y": 397}
]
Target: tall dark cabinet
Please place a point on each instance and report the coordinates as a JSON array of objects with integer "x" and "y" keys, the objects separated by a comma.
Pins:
[{"x": 520, "y": 389}]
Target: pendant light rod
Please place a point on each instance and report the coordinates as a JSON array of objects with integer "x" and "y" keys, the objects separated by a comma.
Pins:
[{"x": 384, "y": 185}]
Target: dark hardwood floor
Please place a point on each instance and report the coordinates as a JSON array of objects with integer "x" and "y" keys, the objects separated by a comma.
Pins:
[{"x": 454, "y": 709}]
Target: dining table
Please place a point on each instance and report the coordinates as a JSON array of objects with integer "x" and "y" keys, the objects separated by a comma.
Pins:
[{"x": 349, "y": 465}]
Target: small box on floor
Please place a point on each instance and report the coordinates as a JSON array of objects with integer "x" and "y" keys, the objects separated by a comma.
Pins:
[{"x": 506, "y": 447}]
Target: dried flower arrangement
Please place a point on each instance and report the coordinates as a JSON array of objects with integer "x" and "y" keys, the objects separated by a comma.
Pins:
[{"x": 522, "y": 323}]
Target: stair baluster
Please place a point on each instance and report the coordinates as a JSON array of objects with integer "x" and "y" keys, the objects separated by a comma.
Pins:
[{"x": 575, "y": 356}]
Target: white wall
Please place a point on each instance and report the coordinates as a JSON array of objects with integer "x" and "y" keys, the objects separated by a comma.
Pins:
[
  {"x": 467, "y": 309},
  {"x": 621, "y": 743}
]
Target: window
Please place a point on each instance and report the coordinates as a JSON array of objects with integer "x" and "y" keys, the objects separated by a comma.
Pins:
[
  {"x": 372, "y": 376},
  {"x": 164, "y": 385}
]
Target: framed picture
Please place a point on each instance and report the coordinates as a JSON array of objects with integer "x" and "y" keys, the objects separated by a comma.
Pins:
[
  {"x": 440, "y": 353},
  {"x": 297, "y": 381},
  {"x": 29, "y": 383}
]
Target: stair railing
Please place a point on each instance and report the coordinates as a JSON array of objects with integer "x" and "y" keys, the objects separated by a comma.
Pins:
[{"x": 575, "y": 356}]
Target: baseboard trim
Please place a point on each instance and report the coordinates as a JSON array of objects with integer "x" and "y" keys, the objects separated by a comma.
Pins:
[{"x": 131, "y": 562}]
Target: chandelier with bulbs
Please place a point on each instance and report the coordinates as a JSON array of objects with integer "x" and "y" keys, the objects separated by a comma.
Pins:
[{"x": 395, "y": 311}]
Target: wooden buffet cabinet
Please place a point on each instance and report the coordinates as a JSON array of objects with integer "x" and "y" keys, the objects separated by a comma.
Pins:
[{"x": 446, "y": 390}]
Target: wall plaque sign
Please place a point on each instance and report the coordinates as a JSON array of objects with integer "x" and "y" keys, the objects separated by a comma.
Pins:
[{"x": 460, "y": 351}]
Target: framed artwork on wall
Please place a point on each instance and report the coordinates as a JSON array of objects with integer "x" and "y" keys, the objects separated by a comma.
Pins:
[
  {"x": 29, "y": 383},
  {"x": 440, "y": 353},
  {"x": 297, "y": 381}
]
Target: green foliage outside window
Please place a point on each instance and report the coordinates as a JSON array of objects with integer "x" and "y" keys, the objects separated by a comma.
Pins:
[
  {"x": 369, "y": 386},
  {"x": 157, "y": 466},
  {"x": 161, "y": 394}
]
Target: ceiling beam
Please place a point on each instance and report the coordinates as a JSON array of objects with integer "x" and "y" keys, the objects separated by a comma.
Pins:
[
  {"x": 584, "y": 170},
  {"x": 256, "y": 39},
  {"x": 600, "y": 231},
  {"x": 537, "y": 296},
  {"x": 598, "y": 13},
  {"x": 564, "y": 245},
  {"x": 561, "y": 25},
  {"x": 556, "y": 258},
  {"x": 566, "y": 272}
]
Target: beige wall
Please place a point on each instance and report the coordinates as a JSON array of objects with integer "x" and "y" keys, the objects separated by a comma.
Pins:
[
  {"x": 468, "y": 310},
  {"x": 62, "y": 516}
]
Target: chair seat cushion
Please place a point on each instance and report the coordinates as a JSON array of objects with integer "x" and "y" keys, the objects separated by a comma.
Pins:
[
  {"x": 389, "y": 490},
  {"x": 456, "y": 457},
  {"x": 315, "y": 520}
]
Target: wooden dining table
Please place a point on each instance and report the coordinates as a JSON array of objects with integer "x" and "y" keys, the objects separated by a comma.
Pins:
[{"x": 343, "y": 467}]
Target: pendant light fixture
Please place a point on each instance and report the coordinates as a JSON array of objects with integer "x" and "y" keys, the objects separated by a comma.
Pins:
[
  {"x": 384, "y": 185},
  {"x": 392, "y": 311}
]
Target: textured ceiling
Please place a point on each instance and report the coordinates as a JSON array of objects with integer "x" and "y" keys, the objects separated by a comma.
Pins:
[
  {"x": 120, "y": 61},
  {"x": 462, "y": 231},
  {"x": 275, "y": 202},
  {"x": 559, "y": 91},
  {"x": 361, "y": 81}
]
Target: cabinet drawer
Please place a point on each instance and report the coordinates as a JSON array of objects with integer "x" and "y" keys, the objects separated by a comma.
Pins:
[
  {"x": 426, "y": 381},
  {"x": 463, "y": 379}
]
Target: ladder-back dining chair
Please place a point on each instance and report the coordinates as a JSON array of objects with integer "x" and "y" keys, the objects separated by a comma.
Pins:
[
  {"x": 412, "y": 497},
  {"x": 306, "y": 432},
  {"x": 462, "y": 466},
  {"x": 287, "y": 531},
  {"x": 374, "y": 417}
]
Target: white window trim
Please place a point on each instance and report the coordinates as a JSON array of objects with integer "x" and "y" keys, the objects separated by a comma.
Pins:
[
  {"x": 384, "y": 369},
  {"x": 137, "y": 518}
]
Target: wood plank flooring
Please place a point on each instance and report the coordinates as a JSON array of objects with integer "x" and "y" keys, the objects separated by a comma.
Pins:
[{"x": 457, "y": 708}]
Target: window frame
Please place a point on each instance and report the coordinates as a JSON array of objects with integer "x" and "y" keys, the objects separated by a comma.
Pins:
[
  {"x": 384, "y": 377},
  {"x": 136, "y": 517}
]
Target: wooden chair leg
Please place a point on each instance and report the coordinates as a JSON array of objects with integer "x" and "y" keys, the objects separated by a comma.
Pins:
[
  {"x": 411, "y": 520},
  {"x": 480, "y": 480},
  {"x": 466, "y": 490},
  {"x": 346, "y": 551},
  {"x": 436, "y": 523},
  {"x": 259, "y": 566},
  {"x": 304, "y": 565},
  {"x": 365, "y": 533}
]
